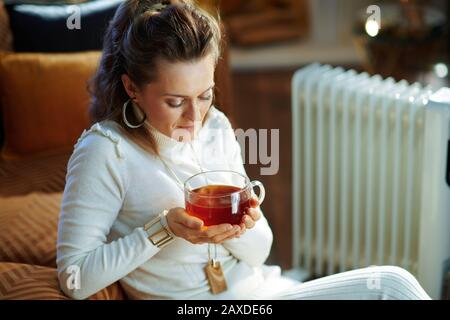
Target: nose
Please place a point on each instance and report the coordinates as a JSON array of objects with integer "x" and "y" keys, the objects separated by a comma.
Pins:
[{"x": 192, "y": 112}]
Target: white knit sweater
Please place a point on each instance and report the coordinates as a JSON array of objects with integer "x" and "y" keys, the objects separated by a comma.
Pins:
[{"x": 113, "y": 188}]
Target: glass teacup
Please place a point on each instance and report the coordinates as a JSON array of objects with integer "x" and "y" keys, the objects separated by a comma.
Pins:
[{"x": 220, "y": 196}]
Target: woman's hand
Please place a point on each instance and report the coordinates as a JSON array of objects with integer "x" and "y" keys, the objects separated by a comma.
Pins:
[
  {"x": 250, "y": 217},
  {"x": 191, "y": 228}
]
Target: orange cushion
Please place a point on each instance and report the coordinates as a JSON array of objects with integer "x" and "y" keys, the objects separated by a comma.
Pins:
[
  {"x": 28, "y": 228},
  {"x": 30, "y": 196},
  {"x": 44, "y": 99},
  {"x": 29, "y": 282}
]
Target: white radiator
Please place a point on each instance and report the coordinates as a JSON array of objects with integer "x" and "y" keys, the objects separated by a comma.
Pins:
[{"x": 370, "y": 174}]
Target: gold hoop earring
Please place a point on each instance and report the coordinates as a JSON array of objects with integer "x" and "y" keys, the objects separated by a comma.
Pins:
[{"x": 124, "y": 116}]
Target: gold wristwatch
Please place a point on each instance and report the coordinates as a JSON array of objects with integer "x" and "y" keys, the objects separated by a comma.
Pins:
[{"x": 158, "y": 231}]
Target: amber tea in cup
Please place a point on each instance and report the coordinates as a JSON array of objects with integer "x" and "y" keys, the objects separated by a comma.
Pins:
[{"x": 220, "y": 196}]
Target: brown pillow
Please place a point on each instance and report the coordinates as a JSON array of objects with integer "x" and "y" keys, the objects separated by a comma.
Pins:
[
  {"x": 44, "y": 99},
  {"x": 28, "y": 228},
  {"x": 28, "y": 282}
]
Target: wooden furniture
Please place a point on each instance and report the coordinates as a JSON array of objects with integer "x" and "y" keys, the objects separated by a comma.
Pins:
[{"x": 251, "y": 23}]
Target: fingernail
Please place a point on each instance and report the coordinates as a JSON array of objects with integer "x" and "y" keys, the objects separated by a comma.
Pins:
[{"x": 229, "y": 227}]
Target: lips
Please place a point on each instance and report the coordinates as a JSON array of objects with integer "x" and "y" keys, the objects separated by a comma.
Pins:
[{"x": 186, "y": 127}]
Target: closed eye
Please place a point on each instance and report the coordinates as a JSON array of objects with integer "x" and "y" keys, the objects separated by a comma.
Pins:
[
  {"x": 209, "y": 95},
  {"x": 175, "y": 105},
  {"x": 206, "y": 98}
]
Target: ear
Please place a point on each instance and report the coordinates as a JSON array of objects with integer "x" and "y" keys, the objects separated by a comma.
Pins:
[{"x": 129, "y": 86}]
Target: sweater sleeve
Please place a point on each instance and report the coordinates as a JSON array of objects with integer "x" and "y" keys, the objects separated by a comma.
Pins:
[
  {"x": 93, "y": 196},
  {"x": 254, "y": 245}
]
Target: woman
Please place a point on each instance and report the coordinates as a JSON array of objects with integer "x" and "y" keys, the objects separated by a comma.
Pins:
[{"x": 122, "y": 216}]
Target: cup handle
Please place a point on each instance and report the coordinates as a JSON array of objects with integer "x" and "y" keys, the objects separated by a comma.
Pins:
[{"x": 262, "y": 191}]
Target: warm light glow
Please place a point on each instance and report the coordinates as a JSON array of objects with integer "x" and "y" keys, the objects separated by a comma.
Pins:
[
  {"x": 372, "y": 27},
  {"x": 441, "y": 70}
]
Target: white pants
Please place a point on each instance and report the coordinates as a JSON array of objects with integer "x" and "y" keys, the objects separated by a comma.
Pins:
[{"x": 372, "y": 283}]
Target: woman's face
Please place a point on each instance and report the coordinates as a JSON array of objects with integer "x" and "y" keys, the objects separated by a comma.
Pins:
[{"x": 177, "y": 102}]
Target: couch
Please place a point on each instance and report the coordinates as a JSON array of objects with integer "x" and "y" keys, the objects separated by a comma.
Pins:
[
  {"x": 44, "y": 100},
  {"x": 39, "y": 129}
]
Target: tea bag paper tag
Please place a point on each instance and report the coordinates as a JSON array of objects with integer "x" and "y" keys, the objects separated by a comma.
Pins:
[{"x": 215, "y": 276}]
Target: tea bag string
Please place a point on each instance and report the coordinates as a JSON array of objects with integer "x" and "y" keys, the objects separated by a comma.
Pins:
[
  {"x": 207, "y": 183},
  {"x": 214, "y": 260},
  {"x": 199, "y": 163},
  {"x": 181, "y": 185}
]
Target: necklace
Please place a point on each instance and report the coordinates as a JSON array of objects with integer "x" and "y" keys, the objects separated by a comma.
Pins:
[
  {"x": 180, "y": 183},
  {"x": 213, "y": 268}
]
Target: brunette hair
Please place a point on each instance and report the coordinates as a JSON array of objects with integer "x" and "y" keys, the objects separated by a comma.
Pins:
[{"x": 141, "y": 33}]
